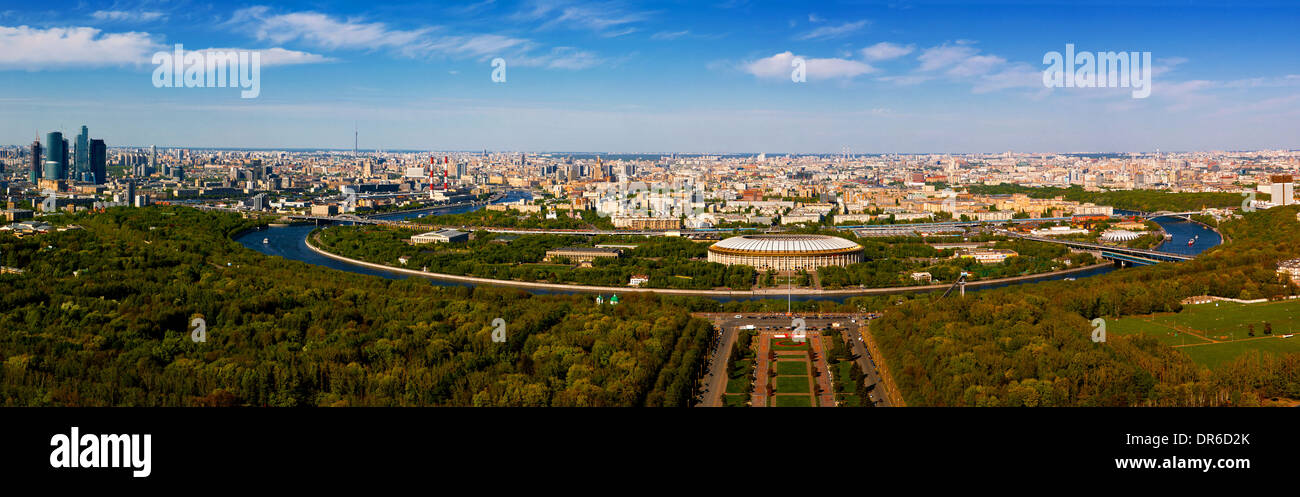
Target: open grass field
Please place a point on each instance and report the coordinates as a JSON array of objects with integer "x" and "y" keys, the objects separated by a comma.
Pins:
[
  {"x": 1141, "y": 325},
  {"x": 792, "y": 401},
  {"x": 798, "y": 368},
  {"x": 1214, "y": 354},
  {"x": 1231, "y": 320},
  {"x": 1214, "y": 333},
  {"x": 792, "y": 384}
]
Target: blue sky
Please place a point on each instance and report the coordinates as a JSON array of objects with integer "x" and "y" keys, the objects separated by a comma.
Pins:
[{"x": 687, "y": 76}]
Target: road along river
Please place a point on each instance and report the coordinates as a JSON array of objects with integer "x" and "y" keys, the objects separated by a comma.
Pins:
[{"x": 290, "y": 242}]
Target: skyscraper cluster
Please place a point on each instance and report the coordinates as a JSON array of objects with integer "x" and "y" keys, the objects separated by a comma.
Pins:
[{"x": 87, "y": 163}]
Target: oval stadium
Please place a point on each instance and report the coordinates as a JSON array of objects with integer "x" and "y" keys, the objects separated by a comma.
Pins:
[{"x": 785, "y": 252}]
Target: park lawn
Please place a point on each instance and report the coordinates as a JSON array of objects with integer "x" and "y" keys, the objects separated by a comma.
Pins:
[
  {"x": 849, "y": 400},
  {"x": 1233, "y": 320},
  {"x": 735, "y": 400},
  {"x": 1216, "y": 354},
  {"x": 842, "y": 379},
  {"x": 791, "y": 401},
  {"x": 1142, "y": 326},
  {"x": 737, "y": 385},
  {"x": 739, "y": 381},
  {"x": 792, "y": 368},
  {"x": 792, "y": 384}
]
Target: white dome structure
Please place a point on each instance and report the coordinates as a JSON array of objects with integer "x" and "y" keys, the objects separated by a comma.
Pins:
[
  {"x": 1119, "y": 235},
  {"x": 785, "y": 252}
]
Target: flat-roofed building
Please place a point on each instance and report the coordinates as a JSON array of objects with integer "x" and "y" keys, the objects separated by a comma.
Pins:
[
  {"x": 647, "y": 223},
  {"x": 16, "y": 214},
  {"x": 988, "y": 255},
  {"x": 441, "y": 236},
  {"x": 325, "y": 210},
  {"x": 582, "y": 254}
]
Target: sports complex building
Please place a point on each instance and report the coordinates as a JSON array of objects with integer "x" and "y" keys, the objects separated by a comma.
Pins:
[{"x": 785, "y": 252}]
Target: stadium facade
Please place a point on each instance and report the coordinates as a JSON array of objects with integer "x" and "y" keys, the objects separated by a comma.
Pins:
[{"x": 785, "y": 252}]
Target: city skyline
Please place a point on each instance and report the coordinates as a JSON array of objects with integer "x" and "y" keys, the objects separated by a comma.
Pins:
[{"x": 621, "y": 77}]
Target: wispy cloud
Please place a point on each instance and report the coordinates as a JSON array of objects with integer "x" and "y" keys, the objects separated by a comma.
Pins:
[
  {"x": 277, "y": 56},
  {"x": 886, "y": 51},
  {"x": 834, "y": 31},
  {"x": 958, "y": 62},
  {"x": 560, "y": 58},
  {"x": 669, "y": 35},
  {"x": 128, "y": 16},
  {"x": 605, "y": 18},
  {"x": 333, "y": 33},
  {"x": 324, "y": 31},
  {"x": 779, "y": 66},
  {"x": 961, "y": 60}
]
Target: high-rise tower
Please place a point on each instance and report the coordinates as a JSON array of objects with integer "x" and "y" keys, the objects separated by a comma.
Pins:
[
  {"x": 54, "y": 159},
  {"x": 81, "y": 162},
  {"x": 34, "y": 174},
  {"x": 99, "y": 161},
  {"x": 63, "y": 166}
]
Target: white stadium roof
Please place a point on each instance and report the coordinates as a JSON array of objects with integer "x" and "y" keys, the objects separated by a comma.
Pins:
[{"x": 785, "y": 244}]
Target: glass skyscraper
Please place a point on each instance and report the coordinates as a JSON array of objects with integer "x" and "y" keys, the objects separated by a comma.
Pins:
[
  {"x": 98, "y": 161},
  {"x": 82, "y": 160},
  {"x": 34, "y": 174},
  {"x": 55, "y": 155}
]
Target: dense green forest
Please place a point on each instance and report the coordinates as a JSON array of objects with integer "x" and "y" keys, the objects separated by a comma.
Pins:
[
  {"x": 1031, "y": 345},
  {"x": 101, "y": 317},
  {"x": 670, "y": 262},
  {"x": 1138, "y": 200}
]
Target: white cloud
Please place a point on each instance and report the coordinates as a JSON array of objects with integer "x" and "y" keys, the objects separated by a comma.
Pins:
[
  {"x": 1012, "y": 76},
  {"x": 559, "y": 58},
  {"x": 82, "y": 47},
  {"x": 779, "y": 67},
  {"x": 1265, "y": 82},
  {"x": 886, "y": 50},
  {"x": 669, "y": 35},
  {"x": 276, "y": 56},
  {"x": 606, "y": 18},
  {"x": 33, "y": 49},
  {"x": 473, "y": 46},
  {"x": 334, "y": 33},
  {"x": 958, "y": 60},
  {"x": 962, "y": 62},
  {"x": 128, "y": 16},
  {"x": 815, "y": 18},
  {"x": 324, "y": 31},
  {"x": 906, "y": 80},
  {"x": 834, "y": 31}
]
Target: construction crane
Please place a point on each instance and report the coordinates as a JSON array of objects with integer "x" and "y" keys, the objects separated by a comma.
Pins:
[{"x": 959, "y": 284}]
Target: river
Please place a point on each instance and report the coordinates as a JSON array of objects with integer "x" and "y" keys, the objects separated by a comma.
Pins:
[{"x": 291, "y": 243}]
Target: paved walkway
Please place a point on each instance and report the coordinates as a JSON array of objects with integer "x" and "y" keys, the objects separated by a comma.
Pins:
[
  {"x": 827, "y": 397},
  {"x": 759, "y": 397}
]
